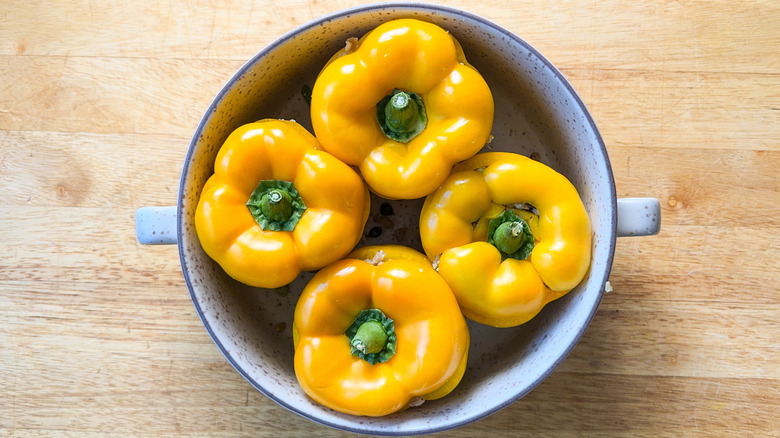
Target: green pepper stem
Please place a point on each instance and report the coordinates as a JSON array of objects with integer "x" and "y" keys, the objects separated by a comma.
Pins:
[
  {"x": 276, "y": 205},
  {"x": 511, "y": 235},
  {"x": 401, "y": 115},
  {"x": 370, "y": 338}
]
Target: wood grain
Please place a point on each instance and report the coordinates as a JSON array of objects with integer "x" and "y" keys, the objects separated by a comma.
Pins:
[{"x": 99, "y": 336}]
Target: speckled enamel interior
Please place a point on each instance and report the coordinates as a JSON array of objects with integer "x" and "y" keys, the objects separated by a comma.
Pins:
[{"x": 537, "y": 112}]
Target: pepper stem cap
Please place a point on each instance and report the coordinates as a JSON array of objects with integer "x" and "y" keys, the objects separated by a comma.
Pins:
[
  {"x": 372, "y": 336},
  {"x": 276, "y": 205},
  {"x": 401, "y": 115},
  {"x": 369, "y": 338},
  {"x": 511, "y": 235}
]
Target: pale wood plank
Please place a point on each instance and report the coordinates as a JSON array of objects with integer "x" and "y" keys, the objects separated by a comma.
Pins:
[
  {"x": 108, "y": 95},
  {"x": 62, "y": 169},
  {"x": 698, "y": 339},
  {"x": 94, "y": 170},
  {"x": 101, "y": 248},
  {"x": 168, "y": 97},
  {"x": 679, "y": 110},
  {"x": 99, "y": 336},
  {"x": 616, "y": 405},
  {"x": 735, "y": 37},
  {"x": 148, "y": 29}
]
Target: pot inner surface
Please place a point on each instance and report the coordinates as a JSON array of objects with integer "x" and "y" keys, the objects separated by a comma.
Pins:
[{"x": 537, "y": 114}]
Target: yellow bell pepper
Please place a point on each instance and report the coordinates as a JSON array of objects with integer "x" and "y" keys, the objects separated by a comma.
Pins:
[
  {"x": 277, "y": 205},
  {"x": 377, "y": 332},
  {"x": 403, "y": 104},
  {"x": 511, "y": 235}
]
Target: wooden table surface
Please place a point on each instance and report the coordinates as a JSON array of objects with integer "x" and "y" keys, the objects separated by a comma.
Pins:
[{"x": 99, "y": 337}]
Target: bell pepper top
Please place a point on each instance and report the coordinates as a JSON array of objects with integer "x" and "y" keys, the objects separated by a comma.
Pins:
[
  {"x": 401, "y": 115},
  {"x": 276, "y": 205},
  {"x": 406, "y": 339},
  {"x": 510, "y": 234},
  {"x": 372, "y": 336},
  {"x": 403, "y": 105}
]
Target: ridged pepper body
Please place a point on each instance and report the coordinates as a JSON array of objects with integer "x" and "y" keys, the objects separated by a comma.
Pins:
[
  {"x": 491, "y": 288},
  {"x": 413, "y": 56},
  {"x": 335, "y": 197},
  {"x": 432, "y": 337}
]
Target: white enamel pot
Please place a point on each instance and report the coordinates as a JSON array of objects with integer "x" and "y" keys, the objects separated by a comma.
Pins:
[{"x": 537, "y": 113}]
